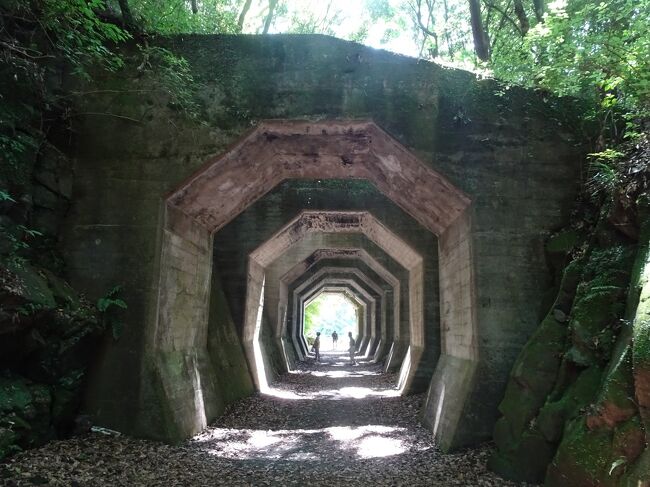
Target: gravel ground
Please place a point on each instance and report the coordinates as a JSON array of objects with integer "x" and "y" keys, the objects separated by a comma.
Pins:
[{"x": 329, "y": 424}]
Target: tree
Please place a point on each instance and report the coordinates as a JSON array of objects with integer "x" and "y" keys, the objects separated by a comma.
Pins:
[
  {"x": 481, "y": 40},
  {"x": 269, "y": 16},
  {"x": 242, "y": 15}
]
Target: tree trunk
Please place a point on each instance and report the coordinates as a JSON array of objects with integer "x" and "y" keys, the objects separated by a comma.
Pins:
[
  {"x": 539, "y": 10},
  {"x": 242, "y": 15},
  {"x": 521, "y": 16},
  {"x": 269, "y": 17},
  {"x": 481, "y": 41},
  {"x": 195, "y": 7},
  {"x": 127, "y": 17}
]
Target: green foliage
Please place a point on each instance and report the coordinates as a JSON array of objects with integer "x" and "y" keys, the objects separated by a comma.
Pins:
[
  {"x": 603, "y": 178},
  {"x": 170, "y": 74},
  {"x": 330, "y": 312},
  {"x": 72, "y": 28},
  {"x": 598, "y": 51},
  {"x": 109, "y": 307},
  {"x": 77, "y": 32},
  {"x": 4, "y": 196},
  {"x": 176, "y": 17},
  {"x": 14, "y": 239}
]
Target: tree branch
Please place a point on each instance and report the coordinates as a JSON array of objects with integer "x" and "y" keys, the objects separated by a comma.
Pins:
[
  {"x": 539, "y": 10},
  {"x": 242, "y": 15},
  {"x": 269, "y": 17},
  {"x": 521, "y": 15}
]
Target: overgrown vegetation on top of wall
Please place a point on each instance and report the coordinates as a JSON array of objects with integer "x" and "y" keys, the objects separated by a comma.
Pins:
[{"x": 575, "y": 410}]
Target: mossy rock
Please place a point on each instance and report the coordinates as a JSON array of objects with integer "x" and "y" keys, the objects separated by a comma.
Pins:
[
  {"x": 534, "y": 374},
  {"x": 597, "y": 308},
  {"x": 629, "y": 440},
  {"x": 641, "y": 341},
  {"x": 638, "y": 473},
  {"x": 532, "y": 379},
  {"x": 503, "y": 437},
  {"x": 553, "y": 416},
  {"x": 33, "y": 287},
  {"x": 615, "y": 402},
  {"x": 551, "y": 419},
  {"x": 8, "y": 442},
  {"x": 525, "y": 461},
  {"x": 608, "y": 267},
  {"x": 562, "y": 242},
  {"x": 583, "y": 458}
]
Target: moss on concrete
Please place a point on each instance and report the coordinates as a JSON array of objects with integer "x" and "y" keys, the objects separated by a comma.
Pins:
[{"x": 225, "y": 350}]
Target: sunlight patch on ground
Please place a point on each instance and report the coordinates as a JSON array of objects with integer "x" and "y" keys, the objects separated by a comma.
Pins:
[
  {"x": 378, "y": 446},
  {"x": 369, "y": 441},
  {"x": 332, "y": 394},
  {"x": 339, "y": 374}
]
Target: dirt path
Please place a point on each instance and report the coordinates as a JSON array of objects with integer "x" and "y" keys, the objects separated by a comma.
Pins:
[{"x": 329, "y": 424}]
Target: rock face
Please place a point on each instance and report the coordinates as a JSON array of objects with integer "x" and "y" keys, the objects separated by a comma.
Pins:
[
  {"x": 47, "y": 337},
  {"x": 576, "y": 412}
]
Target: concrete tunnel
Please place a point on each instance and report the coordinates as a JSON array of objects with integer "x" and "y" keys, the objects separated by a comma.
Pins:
[{"x": 420, "y": 221}]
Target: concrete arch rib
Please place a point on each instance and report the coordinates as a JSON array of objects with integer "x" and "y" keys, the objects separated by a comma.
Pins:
[
  {"x": 349, "y": 254},
  {"x": 276, "y": 150},
  {"x": 324, "y": 222},
  {"x": 348, "y": 283},
  {"x": 367, "y": 305},
  {"x": 368, "y": 334},
  {"x": 371, "y": 323},
  {"x": 175, "y": 355}
]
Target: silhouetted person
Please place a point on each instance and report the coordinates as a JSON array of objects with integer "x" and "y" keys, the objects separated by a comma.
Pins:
[
  {"x": 335, "y": 339},
  {"x": 316, "y": 346},
  {"x": 352, "y": 349}
]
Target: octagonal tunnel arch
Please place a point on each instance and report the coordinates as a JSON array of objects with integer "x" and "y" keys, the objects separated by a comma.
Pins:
[
  {"x": 365, "y": 300},
  {"x": 348, "y": 291},
  {"x": 349, "y": 256},
  {"x": 175, "y": 343},
  {"x": 333, "y": 222},
  {"x": 345, "y": 292},
  {"x": 300, "y": 256},
  {"x": 352, "y": 287},
  {"x": 357, "y": 281},
  {"x": 294, "y": 337}
]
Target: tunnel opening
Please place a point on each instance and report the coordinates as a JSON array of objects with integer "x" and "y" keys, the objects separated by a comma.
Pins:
[{"x": 333, "y": 314}]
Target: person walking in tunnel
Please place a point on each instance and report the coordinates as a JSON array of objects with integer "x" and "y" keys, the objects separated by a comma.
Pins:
[
  {"x": 316, "y": 346},
  {"x": 335, "y": 339},
  {"x": 352, "y": 349}
]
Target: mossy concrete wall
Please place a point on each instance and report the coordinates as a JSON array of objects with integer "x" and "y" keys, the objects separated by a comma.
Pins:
[{"x": 511, "y": 151}]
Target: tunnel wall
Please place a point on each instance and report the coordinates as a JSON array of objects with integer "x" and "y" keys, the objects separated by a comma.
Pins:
[{"x": 510, "y": 150}]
